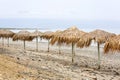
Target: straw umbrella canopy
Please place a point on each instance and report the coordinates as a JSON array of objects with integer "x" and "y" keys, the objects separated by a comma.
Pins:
[
  {"x": 112, "y": 44},
  {"x": 47, "y": 35},
  {"x": 71, "y": 36},
  {"x": 100, "y": 36},
  {"x": 55, "y": 38},
  {"x": 36, "y": 34},
  {"x": 23, "y": 36},
  {"x": 6, "y": 34}
]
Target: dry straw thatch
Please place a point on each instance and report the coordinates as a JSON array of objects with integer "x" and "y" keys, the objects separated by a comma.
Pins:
[
  {"x": 56, "y": 37},
  {"x": 71, "y": 35},
  {"x": 36, "y": 34},
  {"x": 47, "y": 35},
  {"x": 6, "y": 34},
  {"x": 100, "y": 36},
  {"x": 24, "y": 36},
  {"x": 84, "y": 41},
  {"x": 112, "y": 44}
]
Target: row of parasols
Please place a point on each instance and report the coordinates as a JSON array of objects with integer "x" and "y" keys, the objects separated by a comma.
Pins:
[{"x": 72, "y": 36}]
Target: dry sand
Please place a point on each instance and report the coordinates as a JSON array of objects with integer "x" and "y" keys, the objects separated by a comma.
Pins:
[{"x": 15, "y": 64}]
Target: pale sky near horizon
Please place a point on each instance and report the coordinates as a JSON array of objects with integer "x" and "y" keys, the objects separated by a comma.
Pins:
[{"x": 61, "y": 9}]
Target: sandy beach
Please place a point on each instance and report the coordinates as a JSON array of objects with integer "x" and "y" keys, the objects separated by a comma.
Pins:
[{"x": 15, "y": 64}]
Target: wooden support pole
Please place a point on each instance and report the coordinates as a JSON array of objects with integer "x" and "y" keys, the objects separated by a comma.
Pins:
[
  {"x": 98, "y": 46},
  {"x": 37, "y": 43},
  {"x": 73, "y": 52},
  {"x": 8, "y": 41},
  {"x": 48, "y": 45}
]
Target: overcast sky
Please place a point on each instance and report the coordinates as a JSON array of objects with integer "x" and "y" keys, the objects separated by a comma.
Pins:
[{"x": 61, "y": 9}]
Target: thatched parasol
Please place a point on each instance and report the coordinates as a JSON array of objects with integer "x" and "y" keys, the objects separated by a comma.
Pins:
[
  {"x": 24, "y": 36},
  {"x": 112, "y": 44},
  {"x": 71, "y": 36},
  {"x": 47, "y": 35},
  {"x": 55, "y": 38},
  {"x": 36, "y": 34},
  {"x": 6, "y": 34},
  {"x": 100, "y": 36}
]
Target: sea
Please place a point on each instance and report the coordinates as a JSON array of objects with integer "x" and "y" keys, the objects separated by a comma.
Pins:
[{"x": 60, "y": 24}]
